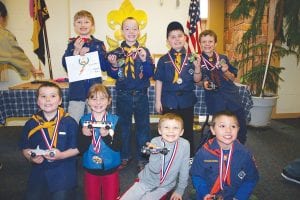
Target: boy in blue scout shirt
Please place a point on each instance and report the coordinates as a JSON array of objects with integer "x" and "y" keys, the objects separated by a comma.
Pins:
[
  {"x": 132, "y": 67},
  {"x": 54, "y": 173},
  {"x": 100, "y": 147},
  {"x": 175, "y": 81},
  {"x": 223, "y": 168},
  {"x": 217, "y": 78},
  {"x": 84, "y": 25}
]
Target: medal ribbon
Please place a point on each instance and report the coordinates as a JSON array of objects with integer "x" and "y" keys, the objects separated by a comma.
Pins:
[
  {"x": 96, "y": 141},
  {"x": 54, "y": 134},
  {"x": 218, "y": 185},
  {"x": 50, "y": 125},
  {"x": 178, "y": 69},
  {"x": 225, "y": 177},
  {"x": 165, "y": 169},
  {"x": 131, "y": 54},
  {"x": 211, "y": 67}
]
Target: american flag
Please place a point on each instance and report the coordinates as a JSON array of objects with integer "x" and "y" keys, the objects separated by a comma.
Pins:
[{"x": 194, "y": 26}]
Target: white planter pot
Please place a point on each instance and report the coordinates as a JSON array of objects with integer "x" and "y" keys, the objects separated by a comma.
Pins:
[{"x": 262, "y": 110}]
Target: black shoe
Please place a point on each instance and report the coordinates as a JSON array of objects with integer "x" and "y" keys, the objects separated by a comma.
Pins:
[
  {"x": 292, "y": 172},
  {"x": 290, "y": 177},
  {"x": 1, "y": 165},
  {"x": 191, "y": 161},
  {"x": 141, "y": 165},
  {"x": 124, "y": 163}
]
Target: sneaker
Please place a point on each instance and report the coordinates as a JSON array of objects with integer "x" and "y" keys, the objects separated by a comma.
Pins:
[
  {"x": 124, "y": 163},
  {"x": 191, "y": 161},
  {"x": 291, "y": 172},
  {"x": 290, "y": 177},
  {"x": 141, "y": 165}
]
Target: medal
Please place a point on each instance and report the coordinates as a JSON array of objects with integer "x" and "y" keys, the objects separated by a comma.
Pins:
[
  {"x": 97, "y": 159},
  {"x": 121, "y": 62},
  {"x": 179, "y": 81},
  {"x": 179, "y": 69},
  {"x": 209, "y": 65}
]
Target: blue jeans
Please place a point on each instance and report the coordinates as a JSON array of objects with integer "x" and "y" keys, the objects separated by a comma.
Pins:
[{"x": 133, "y": 102}]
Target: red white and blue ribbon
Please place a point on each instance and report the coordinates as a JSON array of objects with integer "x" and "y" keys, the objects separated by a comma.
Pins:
[
  {"x": 166, "y": 168},
  {"x": 223, "y": 177},
  {"x": 96, "y": 141},
  {"x": 178, "y": 69},
  {"x": 49, "y": 146},
  {"x": 208, "y": 65}
]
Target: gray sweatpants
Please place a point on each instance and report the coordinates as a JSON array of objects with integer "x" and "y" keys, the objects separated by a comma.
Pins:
[
  {"x": 76, "y": 109},
  {"x": 139, "y": 191}
]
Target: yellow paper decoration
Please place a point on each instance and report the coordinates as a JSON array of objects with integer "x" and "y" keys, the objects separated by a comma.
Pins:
[{"x": 115, "y": 19}]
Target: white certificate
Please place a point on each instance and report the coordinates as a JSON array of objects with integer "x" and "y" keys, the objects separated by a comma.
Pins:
[{"x": 83, "y": 67}]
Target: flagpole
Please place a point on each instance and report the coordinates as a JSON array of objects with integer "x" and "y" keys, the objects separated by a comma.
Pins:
[{"x": 48, "y": 51}]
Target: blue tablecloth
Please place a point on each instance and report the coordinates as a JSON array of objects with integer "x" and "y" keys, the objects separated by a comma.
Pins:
[{"x": 22, "y": 103}]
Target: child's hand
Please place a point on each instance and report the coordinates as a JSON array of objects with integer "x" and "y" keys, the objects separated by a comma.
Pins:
[
  {"x": 78, "y": 44},
  {"x": 223, "y": 65},
  {"x": 158, "y": 107},
  {"x": 37, "y": 159},
  {"x": 112, "y": 59},
  {"x": 197, "y": 61},
  {"x": 208, "y": 197},
  {"x": 176, "y": 196},
  {"x": 206, "y": 85},
  {"x": 150, "y": 145},
  {"x": 142, "y": 54},
  {"x": 104, "y": 132},
  {"x": 54, "y": 154},
  {"x": 86, "y": 131}
]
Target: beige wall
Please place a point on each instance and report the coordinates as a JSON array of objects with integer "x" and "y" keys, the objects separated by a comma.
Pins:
[
  {"x": 288, "y": 104},
  {"x": 20, "y": 24}
]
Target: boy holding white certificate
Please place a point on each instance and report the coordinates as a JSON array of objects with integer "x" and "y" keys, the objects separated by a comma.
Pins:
[{"x": 82, "y": 45}]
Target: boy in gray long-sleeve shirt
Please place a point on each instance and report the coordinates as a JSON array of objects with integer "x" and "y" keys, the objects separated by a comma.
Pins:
[{"x": 160, "y": 175}]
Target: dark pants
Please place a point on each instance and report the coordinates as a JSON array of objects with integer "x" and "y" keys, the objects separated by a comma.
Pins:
[
  {"x": 242, "y": 135},
  {"x": 187, "y": 114},
  {"x": 39, "y": 191},
  {"x": 133, "y": 102}
]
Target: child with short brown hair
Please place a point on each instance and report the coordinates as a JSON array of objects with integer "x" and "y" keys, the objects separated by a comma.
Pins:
[
  {"x": 85, "y": 42},
  {"x": 218, "y": 81},
  {"x": 165, "y": 173},
  {"x": 49, "y": 143},
  {"x": 132, "y": 81}
]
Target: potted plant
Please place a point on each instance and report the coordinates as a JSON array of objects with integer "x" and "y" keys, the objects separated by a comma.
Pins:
[{"x": 258, "y": 60}]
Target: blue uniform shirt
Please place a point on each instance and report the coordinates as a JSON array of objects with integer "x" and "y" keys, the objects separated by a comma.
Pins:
[
  {"x": 243, "y": 173},
  {"x": 78, "y": 90},
  {"x": 143, "y": 71},
  {"x": 60, "y": 174},
  {"x": 227, "y": 95},
  {"x": 174, "y": 95}
]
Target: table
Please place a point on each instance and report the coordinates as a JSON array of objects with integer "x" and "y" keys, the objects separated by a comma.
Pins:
[{"x": 20, "y": 100}]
